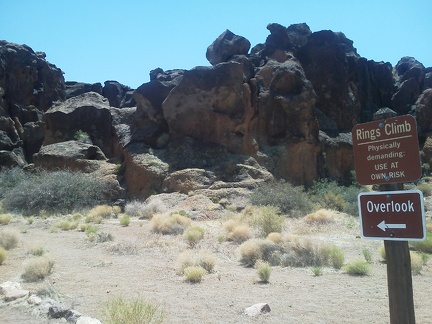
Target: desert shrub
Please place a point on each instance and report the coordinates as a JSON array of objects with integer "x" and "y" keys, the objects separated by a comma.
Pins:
[
  {"x": 283, "y": 195},
  {"x": 96, "y": 219},
  {"x": 5, "y": 219},
  {"x": 90, "y": 230},
  {"x": 305, "y": 253},
  {"x": 320, "y": 217},
  {"x": 9, "y": 239},
  {"x": 425, "y": 188},
  {"x": 317, "y": 271},
  {"x": 382, "y": 253},
  {"x": 3, "y": 255},
  {"x": 124, "y": 220},
  {"x": 100, "y": 211},
  {"x": 120, "y": 310},
  {"x": 194, "y": 274},
  {"x": 275, "y": 237},
  {"x": 144, "y": 210},
  {"x": 66, "y": 225},
  {"x": 236, "y": 231},
  {"x": 357, "y": 268},
  {"x": 266, "y": 219},
  {"x": 37, "y": 251},
  {"x": 337, "y": 257},
  {"x": 123, "y": 248},
  {"x": 207, "y": 260},
  {"x": 203, "y": 259},
  {"x": 255, "y": 249},
  {"x": 10, "y": 178},
  {"x": 328, "y": 194},
  {"x": 263, "y": 270},
  {"x": 417, "y": 263},
  {"x": 193, "y": 234},
  {"x": 172, "y": 224},
  {"x": 367, "y": 254},
  {"x": 37, "y": 268},
  {"x": 423, "y": 246},
  {"x": 54, "y": 192}
]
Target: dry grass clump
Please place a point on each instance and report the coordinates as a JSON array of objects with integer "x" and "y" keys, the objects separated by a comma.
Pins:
[
  {"x": 417, "y": 263},
  {"x": 123, "y": 248},
  {"x": 36, "y": 251},
  {"x": 124, "y": 220},
  {"x": 144, "y": 210},
  {"x": 263, "y": 270},
  {"x": 320, "y": 217},
  {"x": 194, "y": 274},
  {"x": 5, "y": 219},
  {"x": 203, "y": 259},
  {"x": 37, "y": 268},
  {"x": 357, "y": 268},
  {"x": 275, "y": 237},
  {"x": 236, "y": 231},
  {"x": 169, "y": 224},
  {"x": 255, "y": 249},
  {"x": 266, "y": 219},
  {"x": 104, "y": 211},
  {"x": 9, "y": 239},
  {"x": 3, "y": 255},
  {"x": 193, "y": 234},
  {"x": 66, "y": 225},
  {"x": 120, "y": 310},
  {"x": 290, "y": 251}
]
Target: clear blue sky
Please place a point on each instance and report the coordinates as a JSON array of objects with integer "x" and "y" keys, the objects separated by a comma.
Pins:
[{"x": 95, "y": 41}]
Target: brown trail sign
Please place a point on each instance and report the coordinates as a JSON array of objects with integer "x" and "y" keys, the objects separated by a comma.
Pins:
[{"x": 386, "y": 151}]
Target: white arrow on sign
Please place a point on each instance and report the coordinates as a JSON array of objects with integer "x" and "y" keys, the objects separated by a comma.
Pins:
[{"x": 383, "y": 226}]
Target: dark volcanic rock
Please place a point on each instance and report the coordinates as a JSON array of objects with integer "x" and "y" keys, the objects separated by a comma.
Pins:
[
  {"x": 289, "y": 38},
  {"x": 118, "y": 94},
  {"x": 89, "y": 112},
  {"x": 225, "y": 46},
  {"x": 29, "y": 85},
  {"x": 74, "y": 88}
]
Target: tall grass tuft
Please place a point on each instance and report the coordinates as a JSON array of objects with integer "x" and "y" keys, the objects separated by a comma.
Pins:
[{"x": 120, "y": 310}]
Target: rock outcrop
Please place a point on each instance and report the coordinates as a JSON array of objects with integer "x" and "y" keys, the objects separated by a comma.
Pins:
[{"x": 283, "y": 110}]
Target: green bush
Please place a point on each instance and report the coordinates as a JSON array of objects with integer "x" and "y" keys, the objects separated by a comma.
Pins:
[
  {"x": 283, "y": 195},
  {"x": 9, "y": 178},
  {"x": 266, "y": 219},
  {"x": 124, "y": 220},
  {"x": 425, "y": 188},
  {"x": 337, "y": 257},
  {"x": 263, "y": 270},
  {"x": 194, "y": 274},
  {"x": 54, "y": 192},
  {"x": 423, "y": 246},
  {"x": 330, "y": 195},
  {"x": 193, "y": 234},
  {"x": 357, "y": 268},
  {"x": 120, "y": 310}
]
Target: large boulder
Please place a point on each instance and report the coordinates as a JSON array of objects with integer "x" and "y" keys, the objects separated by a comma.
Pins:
[
  {"x": 211, "y": 104},
  {"x": 225, "y": 46},
  {"x": 329, "y": 61},
  {"x": 29, "y": 85},
  {"x": 423, "y": 108},
  {"x": 72, "y": 155},
  {"x": 74, "y": 88},
  {"x": 89, "y": 112},
  {"x": 118, "y": 95},
  {"x": 289, "y": 38}
]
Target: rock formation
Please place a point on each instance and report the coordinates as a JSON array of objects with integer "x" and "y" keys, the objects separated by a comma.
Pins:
[{"x": 283, "y": 110}]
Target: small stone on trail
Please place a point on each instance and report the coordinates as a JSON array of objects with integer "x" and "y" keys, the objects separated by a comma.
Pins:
[{"x": 257, "y": 309}]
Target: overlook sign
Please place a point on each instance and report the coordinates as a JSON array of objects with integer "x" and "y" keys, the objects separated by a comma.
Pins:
[
  {"x": 386, "y": 151},
  {"x": 392, "y": 215}
]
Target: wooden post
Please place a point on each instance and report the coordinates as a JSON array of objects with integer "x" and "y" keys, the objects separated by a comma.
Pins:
[{"x": 398, "y": 259}]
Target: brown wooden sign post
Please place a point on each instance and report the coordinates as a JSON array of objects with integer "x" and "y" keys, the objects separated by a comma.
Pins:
[{"x": 386, "y": 152}]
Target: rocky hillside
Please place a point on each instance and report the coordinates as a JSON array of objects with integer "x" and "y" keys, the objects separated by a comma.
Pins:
[{"x": 281, "y": 109}]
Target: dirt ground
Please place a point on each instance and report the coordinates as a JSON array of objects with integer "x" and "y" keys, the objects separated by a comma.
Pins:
[{"x": 86, "y": 275}]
